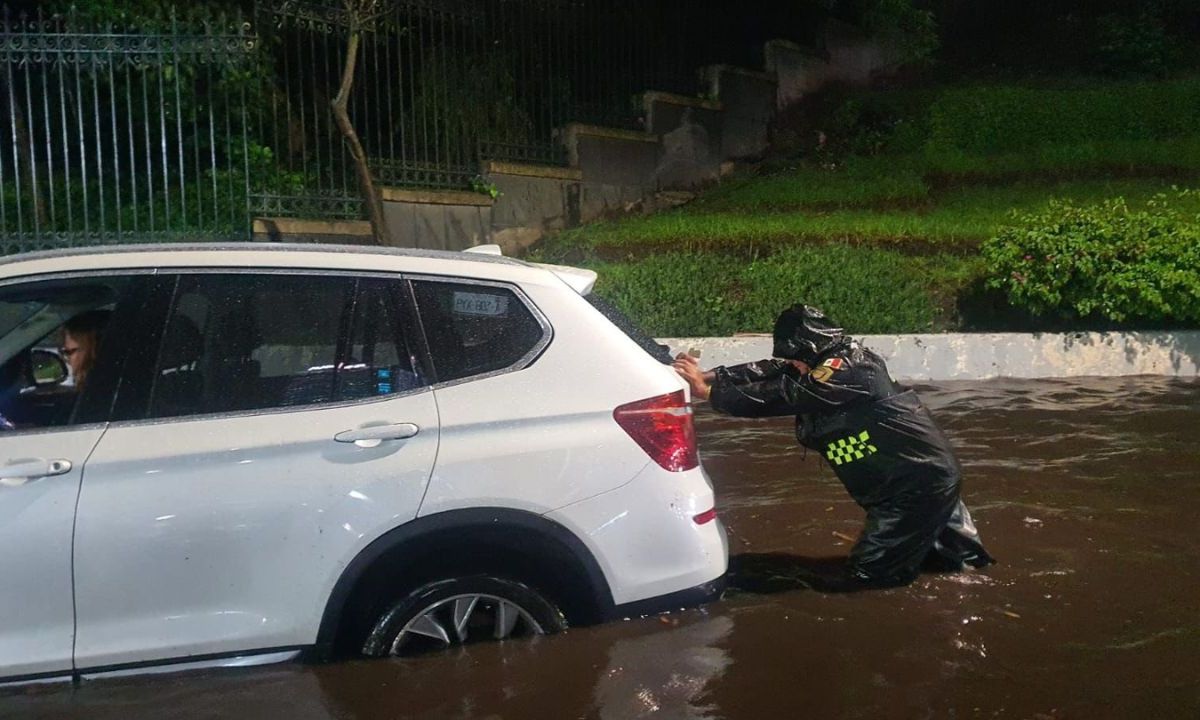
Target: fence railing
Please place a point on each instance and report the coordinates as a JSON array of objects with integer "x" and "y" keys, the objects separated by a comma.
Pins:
[
  {"x": 442, "y": 85},
  {"x": 117, "y": 135},
  {"x": 111, "y": 137}
]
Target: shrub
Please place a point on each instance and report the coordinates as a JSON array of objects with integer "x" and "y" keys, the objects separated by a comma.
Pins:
[
  {"x": 673, "y": 293},
  {"x": 912, "y": 28},
  {"x": 1003, "y": 118},
  {"x": 867, "y": 122},
  {"x": 867, "y": 289},
  {"x": 1103, "y": 261},
  {"x": 703, "y": 294},
  {"x": 979, "y": 121}
]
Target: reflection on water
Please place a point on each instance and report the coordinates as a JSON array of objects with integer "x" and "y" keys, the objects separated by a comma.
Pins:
[
  {"x": 1085, "y": 490},
  {"x": 664, "y": 675}
]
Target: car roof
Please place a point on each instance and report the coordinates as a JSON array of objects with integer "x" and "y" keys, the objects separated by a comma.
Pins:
[{"x": 266, "y": 255}]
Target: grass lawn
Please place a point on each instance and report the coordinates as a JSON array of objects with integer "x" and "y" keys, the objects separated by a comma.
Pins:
[{"x": 769, "y": 212}]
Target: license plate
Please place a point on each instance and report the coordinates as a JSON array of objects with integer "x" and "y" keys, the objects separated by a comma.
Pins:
[{"x": 468, "y": 303}]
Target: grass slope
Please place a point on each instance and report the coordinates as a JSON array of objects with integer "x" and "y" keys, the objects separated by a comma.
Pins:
[{"x": 889, "y": 241}]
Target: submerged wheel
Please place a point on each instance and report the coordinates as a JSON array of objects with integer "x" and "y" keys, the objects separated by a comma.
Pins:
[{"x": 461, "y": 610}]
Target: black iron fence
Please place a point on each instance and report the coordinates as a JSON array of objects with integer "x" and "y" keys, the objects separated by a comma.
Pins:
[
  {"x": 113, "y": 135},
  {"x": 442, "y": 85}
]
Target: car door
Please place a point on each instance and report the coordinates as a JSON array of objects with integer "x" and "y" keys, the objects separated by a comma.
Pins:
[
  {"x": 283, "y": 425},
  {"x": 50, "y": 427}
]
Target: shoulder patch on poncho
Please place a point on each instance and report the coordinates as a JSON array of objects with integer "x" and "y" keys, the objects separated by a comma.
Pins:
[{"x": 821, "y": 373}]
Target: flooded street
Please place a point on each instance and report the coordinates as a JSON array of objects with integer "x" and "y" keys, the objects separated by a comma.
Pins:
[{"x": 1086, "y": 492}]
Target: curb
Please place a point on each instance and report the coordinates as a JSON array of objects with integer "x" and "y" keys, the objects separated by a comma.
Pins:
[{"x": 971, "y": 356}]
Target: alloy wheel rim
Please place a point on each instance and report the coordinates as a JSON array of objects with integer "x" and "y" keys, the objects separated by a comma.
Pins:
[{"x": 452, "y": 620}]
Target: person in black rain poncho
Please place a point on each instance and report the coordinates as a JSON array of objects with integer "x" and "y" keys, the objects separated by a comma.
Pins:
[{"x": 878, "y": 438}]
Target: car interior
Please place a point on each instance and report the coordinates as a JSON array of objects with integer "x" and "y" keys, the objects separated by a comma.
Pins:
[{"x": 36, "y": 386}]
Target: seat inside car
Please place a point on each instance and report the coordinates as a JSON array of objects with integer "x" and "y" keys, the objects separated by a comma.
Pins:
[{"x": 179, "y": 388}]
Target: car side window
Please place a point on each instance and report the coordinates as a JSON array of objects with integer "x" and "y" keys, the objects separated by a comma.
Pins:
[
  {"x": 59, "y": 346},
  {"x": 244, "y": 342},
  {"x": 475, "y": 329},
  {"x": 379, "y": 359}
]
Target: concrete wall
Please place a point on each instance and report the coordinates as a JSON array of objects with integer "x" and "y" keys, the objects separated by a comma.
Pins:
[
  {"x": 748, "y": 99},
  {"x": 427, "y": 219},
  {"x": 847, "y": 57},
  {"x": 338, "y": 232},
  {"x": 690, "y": 131},
  {"x": 532, "y": 201},
  {"x": 618, "y": 167},
  {"x": 798, "y": 71},
  {"x": 437, "y": 227},
  {"x": 961, "y": 356}
]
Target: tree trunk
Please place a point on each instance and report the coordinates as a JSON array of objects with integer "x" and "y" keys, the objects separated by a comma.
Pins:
[{"x": 365, "y": 182}]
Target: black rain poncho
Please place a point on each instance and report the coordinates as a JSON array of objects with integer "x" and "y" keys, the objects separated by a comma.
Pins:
[{"x": 881, "y": 443}]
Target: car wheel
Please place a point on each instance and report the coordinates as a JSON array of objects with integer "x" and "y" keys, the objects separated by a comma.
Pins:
[{"x": 461, "y": 610}]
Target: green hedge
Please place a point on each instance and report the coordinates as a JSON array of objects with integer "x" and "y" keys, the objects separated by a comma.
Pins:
[
  {"x": 995, "y": 119},
  {"x": 1006, "y": 118},
  {"x": 707, "y": 294},
  {"x": 1104, "y": 261}
]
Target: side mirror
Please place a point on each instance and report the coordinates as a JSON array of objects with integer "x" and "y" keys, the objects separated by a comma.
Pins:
[{"x": 48, "y": 368}]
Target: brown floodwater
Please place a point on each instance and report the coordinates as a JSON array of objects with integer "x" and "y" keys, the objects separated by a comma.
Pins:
[{"x": 1086, "y": 491}]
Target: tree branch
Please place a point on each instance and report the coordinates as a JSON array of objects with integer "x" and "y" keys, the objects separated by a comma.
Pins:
[{"x": 342, "y": 117}]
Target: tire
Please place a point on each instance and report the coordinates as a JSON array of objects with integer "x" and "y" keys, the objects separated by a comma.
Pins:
[{"x": 456, "y": 611}]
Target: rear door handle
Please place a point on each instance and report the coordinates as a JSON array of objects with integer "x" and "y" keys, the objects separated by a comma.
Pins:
[
  {"x": 369, "y": 437},
  {"x": 25, "y": 471}
]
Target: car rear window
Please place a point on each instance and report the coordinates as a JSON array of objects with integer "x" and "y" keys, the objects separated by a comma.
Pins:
[
  {"x": 244, "y": 341},
  {"x": 476, "y": 329},
  {"x": 655, "y": 349}
]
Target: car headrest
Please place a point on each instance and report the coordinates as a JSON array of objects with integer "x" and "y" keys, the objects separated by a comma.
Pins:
[{"x": 183, "y": 343}]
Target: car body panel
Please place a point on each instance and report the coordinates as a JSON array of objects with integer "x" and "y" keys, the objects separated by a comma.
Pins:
[
  {"x": 37, "y": 625},
  {"x": 232, "y": 539},
  {"x": 280, "y": 256},
  {"x": 645, "y": 537}
]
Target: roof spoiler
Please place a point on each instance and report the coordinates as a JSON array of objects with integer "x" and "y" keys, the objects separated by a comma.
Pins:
[
  {"x": 579, "y": 279},
  {"x": 485, "y": 250}
]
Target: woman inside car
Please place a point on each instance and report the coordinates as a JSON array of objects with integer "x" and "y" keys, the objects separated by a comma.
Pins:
[
  {"x": 81, "y": 339},
  {"x": 25, "y": 403}
]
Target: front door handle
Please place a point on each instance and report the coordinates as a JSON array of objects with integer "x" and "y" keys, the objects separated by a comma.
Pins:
[
  {"x": 369, "y": 437},
  {"x": 25, "y": 471}
]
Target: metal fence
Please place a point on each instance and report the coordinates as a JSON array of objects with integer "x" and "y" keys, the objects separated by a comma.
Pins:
[
  {"x": 110, "y": 135},
  {"x": 120, "y": 137},
  {"x": 442, "y": 85}
]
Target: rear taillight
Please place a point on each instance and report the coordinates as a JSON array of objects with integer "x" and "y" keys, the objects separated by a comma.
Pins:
[
  {"x": 662, "y": 426},
  {"x": 705, "y": 517}
]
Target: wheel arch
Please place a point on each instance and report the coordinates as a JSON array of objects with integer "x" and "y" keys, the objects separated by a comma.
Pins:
[{"x": 530, "y": 547}]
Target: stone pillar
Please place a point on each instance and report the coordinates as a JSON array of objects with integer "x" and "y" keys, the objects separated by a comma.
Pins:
[
  {"x": 690, "y": 132},
  {"x": 798, "y": 72},
  {"x": 619, "y": 167},
  {"x": 533, "y": 200},
  {"x": 748, "y": 99}
]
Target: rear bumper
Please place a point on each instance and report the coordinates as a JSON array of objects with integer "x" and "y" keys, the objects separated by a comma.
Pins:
[
  {"x": 646, "y": 541},
  {"x": 680, "y": 600}
]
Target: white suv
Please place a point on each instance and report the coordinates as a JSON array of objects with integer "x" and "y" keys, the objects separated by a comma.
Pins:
[{"x": 268, "y": 448}]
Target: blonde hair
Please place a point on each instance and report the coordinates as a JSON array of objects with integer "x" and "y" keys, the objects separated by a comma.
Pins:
[{"x": 87, "y": 329}]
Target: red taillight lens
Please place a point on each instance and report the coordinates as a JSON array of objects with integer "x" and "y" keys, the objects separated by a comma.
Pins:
[
  {"x": 706, "y": 516},
  {"x": 662, "y": 426}
]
